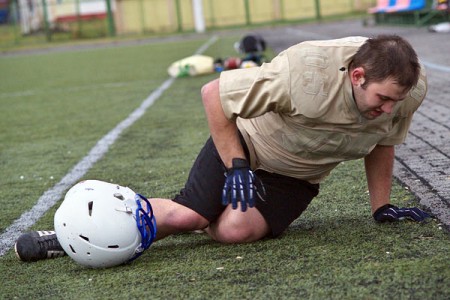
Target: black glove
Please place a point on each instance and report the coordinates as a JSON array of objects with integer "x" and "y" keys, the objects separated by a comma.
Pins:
[
  {"x": 239, "y": 185},
  {"x": 391, "y": 213}
]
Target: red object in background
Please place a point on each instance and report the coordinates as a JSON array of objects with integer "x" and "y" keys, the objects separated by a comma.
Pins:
[{"x": 232, "y": 63}]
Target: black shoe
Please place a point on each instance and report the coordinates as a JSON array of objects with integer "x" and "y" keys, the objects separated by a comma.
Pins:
[{"x": 37, "y": 245}]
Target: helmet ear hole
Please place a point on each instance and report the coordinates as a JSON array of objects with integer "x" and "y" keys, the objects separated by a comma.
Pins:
[
  {"x": 119, "y": 196},
  {"x": 84, "y": 238},
  {"x": 90, "y": 206}
]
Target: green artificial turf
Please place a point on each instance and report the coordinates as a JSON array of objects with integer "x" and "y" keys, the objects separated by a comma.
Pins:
[{"x": 333, "y": 251}]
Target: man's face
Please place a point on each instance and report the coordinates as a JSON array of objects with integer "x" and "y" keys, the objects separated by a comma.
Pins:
[{"x": 378, "y": 98}]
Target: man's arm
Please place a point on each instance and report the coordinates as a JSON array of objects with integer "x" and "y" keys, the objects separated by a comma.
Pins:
[
  {"x": 379, "y": 165},
  {"x": 239, "y": 182},
  {"x": 223, "y": 131}
]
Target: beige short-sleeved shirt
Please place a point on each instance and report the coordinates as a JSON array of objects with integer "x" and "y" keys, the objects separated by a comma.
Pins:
[{"x": 298, "y": 115}]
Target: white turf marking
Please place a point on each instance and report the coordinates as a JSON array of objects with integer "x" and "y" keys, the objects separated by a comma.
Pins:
[
  {"x": 51, "y": 196},
  {"x": 436, "y": 67}
]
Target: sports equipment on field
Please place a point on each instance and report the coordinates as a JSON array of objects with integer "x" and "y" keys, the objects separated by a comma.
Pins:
[
  {"x": 252, "y": 43},
  {"x": 101, "y": 225},
  {"x": 37, "y": 245},
  {"x": 192, "y": 66},
  {"x": 252, "y": 47},
  {"x": 232, "y": 63},
  {"x": 248, "y": 64},
  {"x": 239, "y": 185},
  {"x": 391, "y": 212}
]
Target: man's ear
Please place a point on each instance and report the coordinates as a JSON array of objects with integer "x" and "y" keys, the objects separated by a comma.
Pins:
[{"x": 357, "y": 76}]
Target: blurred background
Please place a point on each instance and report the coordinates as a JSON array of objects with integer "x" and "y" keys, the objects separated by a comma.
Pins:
[
  {"x": 28, "y": 21},
  {"x": 24, "y": 22}
]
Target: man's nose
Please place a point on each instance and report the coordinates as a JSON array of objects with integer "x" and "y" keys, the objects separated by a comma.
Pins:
[{"x": 388, "y": 107}]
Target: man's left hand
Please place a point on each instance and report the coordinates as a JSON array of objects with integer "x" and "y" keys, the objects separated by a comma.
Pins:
[
  {"x": 392, "y": 213},
  {"x": 239, "y": 185}
]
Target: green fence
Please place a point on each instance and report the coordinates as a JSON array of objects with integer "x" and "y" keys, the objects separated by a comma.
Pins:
[{"x": 37, "y": 21}]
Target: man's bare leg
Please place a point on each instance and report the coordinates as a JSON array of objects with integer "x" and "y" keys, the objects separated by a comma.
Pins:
[{"x": 172, "y": 218}]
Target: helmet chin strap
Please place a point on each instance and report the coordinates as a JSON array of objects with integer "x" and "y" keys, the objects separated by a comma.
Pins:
[{"x": 146, "y": 224}]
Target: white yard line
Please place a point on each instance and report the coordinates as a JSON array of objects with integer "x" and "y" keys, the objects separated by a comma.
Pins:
[
  {"x": 436, "y": 67},
  {"x": 53, "y": 195}
]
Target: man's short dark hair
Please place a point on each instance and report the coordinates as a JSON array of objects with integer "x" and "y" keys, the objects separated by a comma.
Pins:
[{"x": 388, "y": 56}]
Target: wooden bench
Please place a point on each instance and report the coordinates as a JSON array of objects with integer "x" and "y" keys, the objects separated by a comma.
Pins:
[
  {"x": 81, "y": 17},
  {"x": 94, "y": 23}
]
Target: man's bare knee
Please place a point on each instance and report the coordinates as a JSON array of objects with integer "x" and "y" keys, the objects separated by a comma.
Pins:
[
  {"x": 235, "y": 227},
  {"x": 233, "y": 236}
]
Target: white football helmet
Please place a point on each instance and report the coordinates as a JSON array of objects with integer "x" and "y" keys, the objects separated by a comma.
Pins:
[{"x": 101, "y": 225}]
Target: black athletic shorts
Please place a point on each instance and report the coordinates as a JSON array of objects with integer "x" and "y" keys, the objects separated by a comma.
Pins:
[{"x": 284, "y": 200}]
